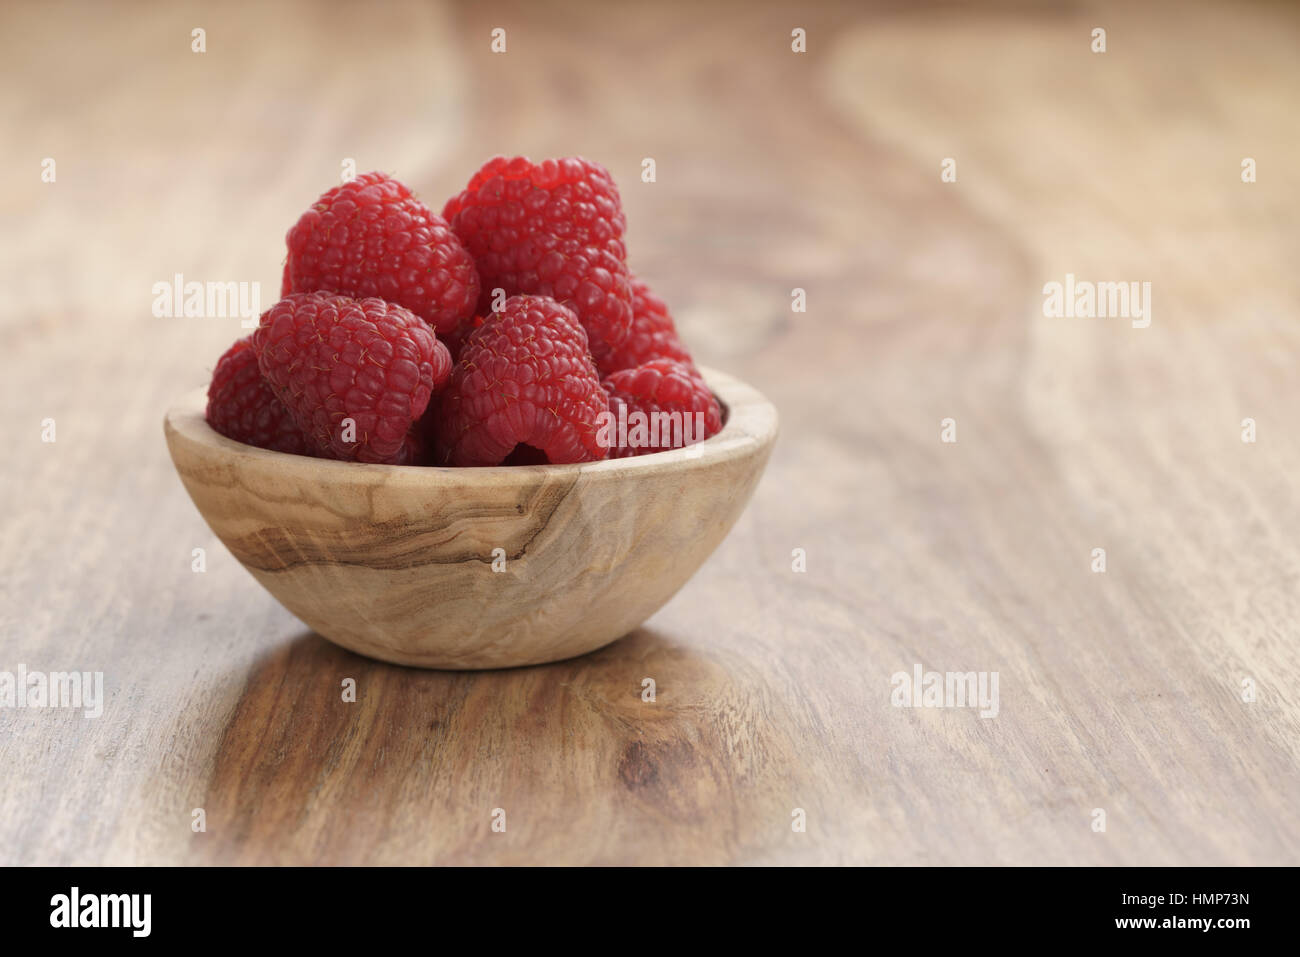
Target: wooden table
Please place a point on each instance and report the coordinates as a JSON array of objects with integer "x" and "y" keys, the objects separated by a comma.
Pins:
[{"x": 1119, "y": 691}]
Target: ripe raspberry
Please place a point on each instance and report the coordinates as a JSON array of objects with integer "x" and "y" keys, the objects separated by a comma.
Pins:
[
  {"x": 668, "y": 394},
  {"x": 552, "y": 229},
  {"x": 242, "y": 407},
  {"x": 330, "y": 358},
  {"x": 371, "y": 237},
  {"x": 653, "y": 334},
  {"x": 524, "y": 378}
]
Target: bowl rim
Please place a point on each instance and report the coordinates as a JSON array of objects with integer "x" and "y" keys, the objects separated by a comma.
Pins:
[{"x": 751, "y": 425}]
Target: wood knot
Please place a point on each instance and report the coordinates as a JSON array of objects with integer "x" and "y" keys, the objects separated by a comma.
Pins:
[{"x": 636, "y": 768}]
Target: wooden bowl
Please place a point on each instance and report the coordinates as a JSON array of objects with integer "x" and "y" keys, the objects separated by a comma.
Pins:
[{"x": 404, "y": 563}]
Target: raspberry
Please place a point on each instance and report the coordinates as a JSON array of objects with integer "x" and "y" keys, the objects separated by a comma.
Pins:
[
  {"x": 552, "y": 229},
  {"x": 241, "y": 406},
  {"x": 653, "y": 334},
  {"x": 675, "y": 405},
  {"x": 330, "y": 358},
  {"x": 371, "y": 237},
  {"x": 524, "y": 378}
]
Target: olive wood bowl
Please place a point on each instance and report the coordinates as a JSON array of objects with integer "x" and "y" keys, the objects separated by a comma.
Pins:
[{"x": 467, "y": 568}]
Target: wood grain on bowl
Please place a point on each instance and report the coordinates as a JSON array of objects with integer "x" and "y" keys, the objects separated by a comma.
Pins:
[{"x": 474, "y": 568}]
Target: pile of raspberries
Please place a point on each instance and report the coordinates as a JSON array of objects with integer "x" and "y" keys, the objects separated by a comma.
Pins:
[{"x": 508, "y": 330}]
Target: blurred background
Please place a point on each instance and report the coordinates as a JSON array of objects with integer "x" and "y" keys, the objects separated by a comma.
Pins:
[{"x": 776, "y": 170}]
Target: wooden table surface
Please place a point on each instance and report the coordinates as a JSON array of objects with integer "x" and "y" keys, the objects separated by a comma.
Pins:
[{"x": 1119, "y": 691}]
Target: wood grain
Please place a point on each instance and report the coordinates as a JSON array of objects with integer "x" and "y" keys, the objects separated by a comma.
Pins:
[
  {"x": 1119, "y": 691},
  {"x": 475, "y": 568}
]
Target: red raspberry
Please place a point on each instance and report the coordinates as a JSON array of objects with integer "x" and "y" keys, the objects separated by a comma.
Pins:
[
  {"x": 653, "y": 334},
  {"x": 241, "y": 406},
  {"x": 668, "y": 394},
  {"x": 371, "y": 237},
  {"x": 552, "y": 229},
  {"x": 330, "y": 358},
  {"x": 524, "y": 378}
]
